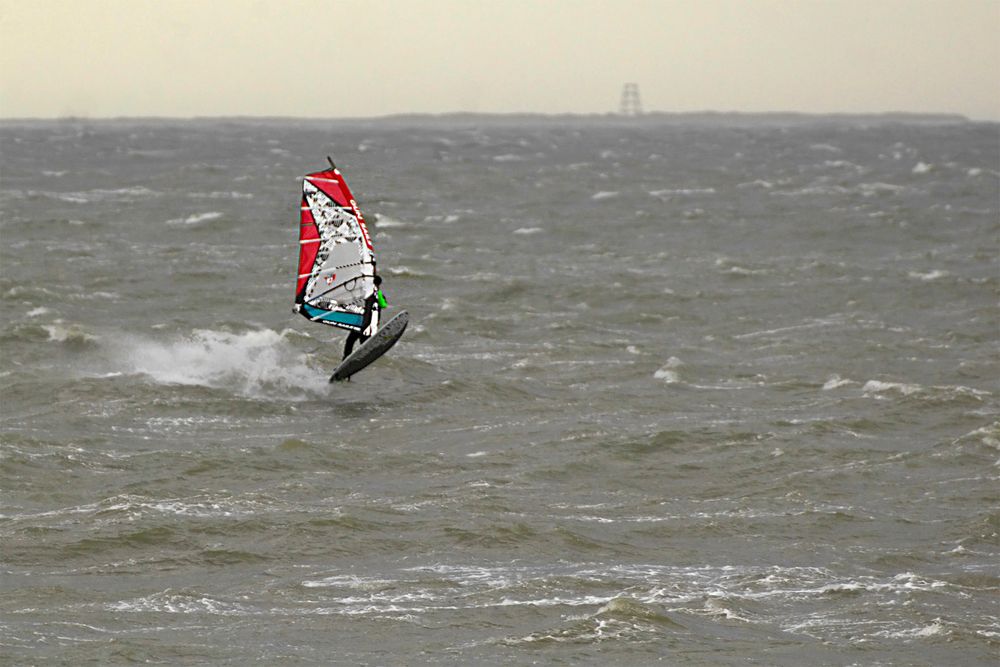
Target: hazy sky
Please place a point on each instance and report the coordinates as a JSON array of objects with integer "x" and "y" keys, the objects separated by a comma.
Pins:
[{"x": 345, "y": 58}]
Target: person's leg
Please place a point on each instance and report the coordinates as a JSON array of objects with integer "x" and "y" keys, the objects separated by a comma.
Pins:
[{"x": 349, "y": 343}]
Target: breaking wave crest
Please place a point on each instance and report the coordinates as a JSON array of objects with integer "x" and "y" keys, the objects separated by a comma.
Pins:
[{"x": 252, "y": 363}]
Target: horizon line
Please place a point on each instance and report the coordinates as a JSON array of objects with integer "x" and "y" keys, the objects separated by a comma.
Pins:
[{"x": 608, "y": 115}]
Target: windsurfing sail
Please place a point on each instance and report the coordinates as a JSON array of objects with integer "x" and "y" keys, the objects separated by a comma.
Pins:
[{"x": 336, "y": 258}]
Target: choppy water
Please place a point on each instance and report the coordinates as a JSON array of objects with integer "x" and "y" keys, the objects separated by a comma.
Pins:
[{"x": 673, "y": 392}]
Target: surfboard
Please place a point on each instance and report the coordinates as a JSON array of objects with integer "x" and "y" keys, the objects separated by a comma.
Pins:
[{"x": 373, "y": 348}]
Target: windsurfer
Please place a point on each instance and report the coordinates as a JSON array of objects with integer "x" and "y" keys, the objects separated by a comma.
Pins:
[{"x": 373, "y": 306}]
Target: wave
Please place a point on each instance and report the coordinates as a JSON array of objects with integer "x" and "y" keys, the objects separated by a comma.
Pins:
[
  {"x": 669, "y": 372},
  {"x": 987, "y": 435},
  {"x": 929, "y": 276},
  {"x": 57, "y": 222},
  {"x": 835, "y": 382},
  {"x": 180, "y": 602},
  {"x": 640, "y": 601},
  {"x": 879, "y": 388},
  {"x": 91, "y": 196},
  {"x": 883, "y": 389},
  {"x": 449, "y": 219},
  {"x": 620, "y": 618},
  {"x": 843, "y": 164},
  {"x": 28, "y": 294},
  {"x": 71, "y": 334},
  {"x": 252, "y": 363},
  {"x": 662, "y": 194},
  {"x": 604, "y": 194},
  {"x": 134, "y": 507},
  {"x": 759, "y": 183},
  {"x": 219, "y": 194},
  {"x": 402, "y": 270},
  {"x": 385, "y": 222},
  {"x": 196, "y": 219},
  {"x": 863, "y": 189}
]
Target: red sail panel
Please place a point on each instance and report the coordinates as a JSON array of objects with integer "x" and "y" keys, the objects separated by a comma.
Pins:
[
  {"x": 331, "y": 182},
  {"x": 308, "y": 246}
]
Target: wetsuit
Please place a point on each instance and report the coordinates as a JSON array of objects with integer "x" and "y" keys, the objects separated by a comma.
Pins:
[{"x": 370, "y": 310}]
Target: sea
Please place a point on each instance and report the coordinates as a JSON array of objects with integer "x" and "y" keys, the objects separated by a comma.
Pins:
[{"x": 683, "y": 390}]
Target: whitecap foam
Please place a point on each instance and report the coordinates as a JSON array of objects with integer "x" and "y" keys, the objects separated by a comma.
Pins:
[
  {"x": 446, "y": 219},
  {"x": 743, "y": 271},
  {"x": 114, "y": 296},
  {"x": 873, "y": 189},
  {"x": 604, "y": 194},
  {"x": 100, "y": 195},
  {"x": 811, "y": 324},
  {"x": 879, "y": 387},
  {"x": 195, "y": 219},
  {"x": 843, "y": 164},
  {"x": 668, "y": 373},
  {"x": 253, "y": 363},
  {"x": 350, "y": 581},
  {"x": 402, "y": 270},
  {"x": 528, "y": 230},
  {"x": 938, "y": 392},
  {"x": 69, "y": 197},
  {"x": 668, "y": 192},
  {"x": 221, "y": 194},
  {"x": 935, "y": 628},
  {"x": 929, "y": 276},
  {"x": 835, "y": 382},
  {"x": 766, "y": 185},
  {"x": 989, "y": 435},
  {"x": 179, "y": 603},
  {"x": 386, "y": 222},
  {"x": 61, "y": 333},
  {"x": 863, "y": 189}
]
